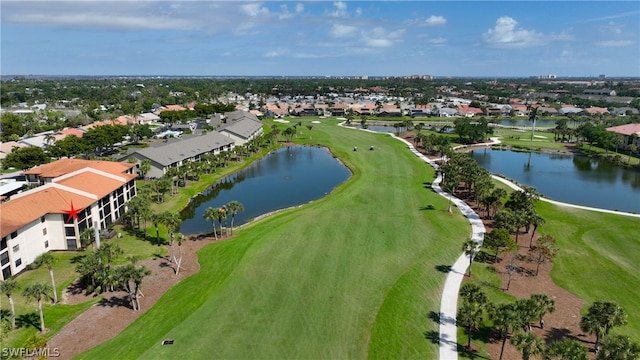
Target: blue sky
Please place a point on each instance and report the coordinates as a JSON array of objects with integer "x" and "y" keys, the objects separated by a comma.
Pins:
[{"x": 452, "y": 38}]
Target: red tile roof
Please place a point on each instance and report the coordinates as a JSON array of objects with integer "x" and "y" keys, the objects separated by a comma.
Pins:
[
  {"x": 48, "y": 199},
  {"x": 65, "y": 166},
  {"x": 628, "y": 129}
]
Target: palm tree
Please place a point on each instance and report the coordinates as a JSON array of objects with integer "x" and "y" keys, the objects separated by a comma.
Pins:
[
  {"x": 179, "y": 239},
  {"x": 48, "y": 259},
  {"x": 37, "y": 291},
  {"x": 309, "y": 126},
  {"x": 544, "y": 304},
  {"x": 505, "y": 318},
  {"x": 172, "y": 221},
  {"x": 110, "y": 251},
  {"x": 533, "y": 114},
  {"x": 7, "y": 287},
  {"x": 528, "y": 344},
  {"x": 546, "y": 249},
  {"x": 619, "y": 347},
  {"x": 470, "y": 313},
  {"x": 566, "y": 350},
  {"x": 137, "y": 276},
  {"x": 211, "y": 214},
  {"x": 601, "y": 317},
  {"x": 222, "y": 215},
  {"x": 145, "y": 212},
  {"x": 468, "y": 317},
  {"x": 470, "y": 248},
  {"x": 49, "y": 139},
  {"x": 536, "y": 221},
  {"x": 234, "y": 207},
  {"x": 145, "y": 166}
]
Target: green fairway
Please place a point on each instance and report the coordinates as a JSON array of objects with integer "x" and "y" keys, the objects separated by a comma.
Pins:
[
  {"x": 350, "y": 276},
  {"x": 598, "y": 258}
]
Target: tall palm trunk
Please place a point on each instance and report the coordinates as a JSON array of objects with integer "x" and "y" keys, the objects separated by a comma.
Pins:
[
  {"x": 13, "y": 312},
  {"x": 53, "y": 285},
  {"x": 41, "y": 315}
]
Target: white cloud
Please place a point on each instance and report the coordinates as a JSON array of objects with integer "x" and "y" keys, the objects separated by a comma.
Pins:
[
  {"x": 438, "y": 41},
  {"x": 612, "y": 28},
  {"x": 378, "y": 37},
  {"x": 435, "y": 20},
  {"x": 340, "y": 9},
  {"x": 277, "y": 52},
  {"x": 342, "y": 31},
  {"x": 506, "y": 34},
  {"x": 102, "y": 20},
  {"x": 286, "y": 14},
  {"x": 255, "y": 9},
  {"x": 615, "y": 43}
]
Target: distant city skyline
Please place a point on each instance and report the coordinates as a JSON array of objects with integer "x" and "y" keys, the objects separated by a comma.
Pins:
[{"x": 321, "y": 38}]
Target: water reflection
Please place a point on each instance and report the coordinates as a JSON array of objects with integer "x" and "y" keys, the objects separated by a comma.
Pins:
[
  {"x": 570, "y": 178},
  {"x": 287, "y": 177}
]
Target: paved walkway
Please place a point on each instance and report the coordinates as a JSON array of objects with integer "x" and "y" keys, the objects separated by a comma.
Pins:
[
  {"x": 449, "y": 303},
  {"x": 560, "y": 203}
]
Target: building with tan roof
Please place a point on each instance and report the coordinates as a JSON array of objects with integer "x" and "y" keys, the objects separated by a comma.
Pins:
[{"x": 39, "y": 220}]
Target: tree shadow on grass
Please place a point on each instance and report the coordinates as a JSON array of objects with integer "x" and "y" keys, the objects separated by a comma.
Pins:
[
  {"x": 433, "y": 336},
  {"x": 434, "y": 316},
  {"x": 467, "y": 353},
  {"x": 31, "y": 319},
  {"x": 484, "y": 257},
  {"x": 443, "y": 268}
]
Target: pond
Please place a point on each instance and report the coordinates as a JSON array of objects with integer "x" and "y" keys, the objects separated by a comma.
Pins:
[
  {"x": 539, "y": 123},
  {"x": 284, "y": 178},
  {"x": 573, "y": 179}
]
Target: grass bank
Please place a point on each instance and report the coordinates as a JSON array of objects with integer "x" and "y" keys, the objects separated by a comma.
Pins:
[{"x": 352, "y": 275}]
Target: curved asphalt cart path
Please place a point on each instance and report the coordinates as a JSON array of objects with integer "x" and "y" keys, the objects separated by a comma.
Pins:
[{"x": 449, "y": 303}]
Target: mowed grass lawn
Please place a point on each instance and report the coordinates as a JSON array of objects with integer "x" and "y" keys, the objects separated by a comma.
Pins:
[
  {"x": 353, "y": 275},
  {"x": 598, "y": 258}
]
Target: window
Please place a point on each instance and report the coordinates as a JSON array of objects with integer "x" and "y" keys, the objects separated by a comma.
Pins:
[
  {"x": 44, "y": 231},
  {"x": 16, "y": 248},
  {"x": 4, "y": 258},
  {"x": 6, "y": 272},
  {"x": 18, "y": 262},
  {"x": 14, "y": 234},
  {"x": 3, "y": 243},
  {"x": 70, "y": 231},
  {"x": 46, "y": 244},
  {"x": 42, "y": 219}
]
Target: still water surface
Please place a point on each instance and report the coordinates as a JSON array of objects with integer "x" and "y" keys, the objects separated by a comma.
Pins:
[
  {"x": 569, "y": 178},
  {"x": 287, "y": 177}
]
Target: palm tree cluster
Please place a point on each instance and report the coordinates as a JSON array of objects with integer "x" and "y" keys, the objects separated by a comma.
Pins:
[
  {"x": 460, "y": 169},
  {"x": 98, "y": 275},
  {"x": 221, "y": 214},
  {"x": 514, "y": 321},
  {"x": 514, "y": 318},
  {"x": 432, "y": 143}
]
